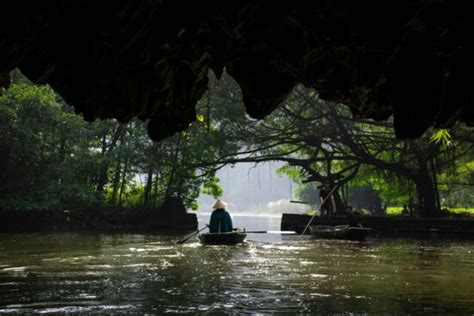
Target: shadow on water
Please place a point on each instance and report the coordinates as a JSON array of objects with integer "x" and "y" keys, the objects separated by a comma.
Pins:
[{"x": 286, "y": 274}]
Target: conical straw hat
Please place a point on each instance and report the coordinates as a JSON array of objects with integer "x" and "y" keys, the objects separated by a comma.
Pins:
[{"x": 219, "y": 204}]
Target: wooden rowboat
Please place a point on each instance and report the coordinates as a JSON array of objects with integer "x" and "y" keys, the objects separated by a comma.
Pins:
[
  {"x": 231, "y": 238},
  {"x": 340, "y": 232}
]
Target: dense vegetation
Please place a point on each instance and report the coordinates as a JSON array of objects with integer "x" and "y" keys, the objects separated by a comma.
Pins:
[{"x": 50, "y": 159}]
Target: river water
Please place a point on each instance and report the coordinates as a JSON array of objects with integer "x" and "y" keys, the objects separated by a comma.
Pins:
[{"x": 126, "y": 273}]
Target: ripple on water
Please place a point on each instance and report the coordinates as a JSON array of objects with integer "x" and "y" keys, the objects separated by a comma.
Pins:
[
  {"x": 137, "y": 265},
  {"x": 288, "y": 277},
  {"x": 192, "y": 245},
  {"x": 284, "y": 247},
  {"x": 99, "y": 266},
  {"x": 84, "y": 309},
  {"x": 15, "y": 269},
  {"x": 307, "y": 263},
  {"x": 133, "y": 249},
  {"x": 320, "y": 294},
  {"x": 319, "y": 276}
]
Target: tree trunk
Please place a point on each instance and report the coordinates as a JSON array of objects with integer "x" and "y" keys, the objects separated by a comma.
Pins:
[
  {"x": 148, "y": 186},
  {"x": 6, "y": 166},
  {"x": 344, "y": 193},
  {"x": 155, "y": 191},
  {"x": 147, "y": 196},
  {"x": 103, "y": 178},
  {"x": 435, "y": 185},
  {"x": 170, "y": 188},
  {"x": 124, "y": 178},
  {"x": 340, "y": 205},
  {"x": 426, "y": 194},
  {"x": 116, "y": 180},
  {"x": 62, "y": 148}
]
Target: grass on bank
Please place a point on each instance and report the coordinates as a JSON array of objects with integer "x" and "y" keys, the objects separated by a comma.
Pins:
[{"x": 397, "y": 210}]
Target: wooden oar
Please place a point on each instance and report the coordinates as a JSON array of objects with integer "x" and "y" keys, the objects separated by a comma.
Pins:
[
  {"x": 300, "y": 202},
  {"x": 281, "y": 232},
  {"x": 191, "y": 235}
]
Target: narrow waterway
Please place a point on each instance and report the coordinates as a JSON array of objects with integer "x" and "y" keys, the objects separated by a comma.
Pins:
[{"x": 127, "y": 273}]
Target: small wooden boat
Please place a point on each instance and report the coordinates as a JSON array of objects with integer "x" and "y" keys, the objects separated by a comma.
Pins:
[
  {"x": 340, "y": 232},
  {"x": 231, "y": 238}
]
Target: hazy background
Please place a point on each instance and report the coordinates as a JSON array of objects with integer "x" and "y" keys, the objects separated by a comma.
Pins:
[{"x": 254, "y": 189}]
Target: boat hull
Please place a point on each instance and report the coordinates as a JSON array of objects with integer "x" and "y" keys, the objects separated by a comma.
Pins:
[
  {"x": 231, "y": 238},
  {"x": 339, "y": 232}
]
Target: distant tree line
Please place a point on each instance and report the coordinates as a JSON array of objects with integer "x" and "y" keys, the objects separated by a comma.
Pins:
[{"x": 50, "y": 158}]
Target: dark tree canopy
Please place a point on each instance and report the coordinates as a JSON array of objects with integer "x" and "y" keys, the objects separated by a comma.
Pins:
[{"x": 150, "y": 59}]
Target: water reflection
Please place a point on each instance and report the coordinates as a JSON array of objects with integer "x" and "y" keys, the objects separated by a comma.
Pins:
[{"x": 151, "y": 274}]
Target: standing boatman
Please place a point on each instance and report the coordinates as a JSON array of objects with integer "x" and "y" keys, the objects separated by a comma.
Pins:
[{"x": 328, "y": 204}]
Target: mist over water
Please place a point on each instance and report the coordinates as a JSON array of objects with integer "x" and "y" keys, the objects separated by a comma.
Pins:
[{"x": 254, "y": 190}]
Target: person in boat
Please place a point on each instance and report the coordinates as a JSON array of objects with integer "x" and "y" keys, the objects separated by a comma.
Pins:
[
  {"x": 221, "y": 222},
  {"x": 352, "y": 220},
  {"x": 328, "y": 205}
]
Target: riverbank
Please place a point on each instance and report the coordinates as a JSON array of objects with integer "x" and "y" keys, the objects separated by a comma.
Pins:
[
  {"x": 390, "y": 225},
  {"x": 109, "y": 221}
]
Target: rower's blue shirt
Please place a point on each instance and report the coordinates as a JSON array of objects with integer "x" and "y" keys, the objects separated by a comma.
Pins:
[{"x": 221, "y": 222}]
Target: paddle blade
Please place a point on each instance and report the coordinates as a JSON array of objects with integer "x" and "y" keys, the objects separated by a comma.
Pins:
[
  {"x": 282, "y": 232},
  {"x": 191, "y": 235},
  {"x": 181, "y": 241},
  {"x": 300, "y": 202},
  {"x": 279, "y": 232}
]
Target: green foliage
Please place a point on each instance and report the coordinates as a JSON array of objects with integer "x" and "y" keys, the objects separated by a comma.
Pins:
[
  {"x": 456, "y": 182},
  {"x": 442, "y": 136},
  {"x": 394, "y": 210},
  {"x": 397, "y": 210},
  {"x": 397, "y": 193},
  {"x": 212, "y": 187},
  {"x": 200, "y": 117},
  {"x": 50, "y": 158},
  {"x": 32, "y": 202},
  {"x": 322, "y": 141},
  {"x": 38, "y": 129},
  {"x": 307, "y": 192},
  {"x": 292, "y": 172},
  {"x": 462, "y": 210}
]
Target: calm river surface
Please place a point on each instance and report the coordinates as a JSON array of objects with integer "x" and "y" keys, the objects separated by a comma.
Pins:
[{"x": 86, "y": 273}]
